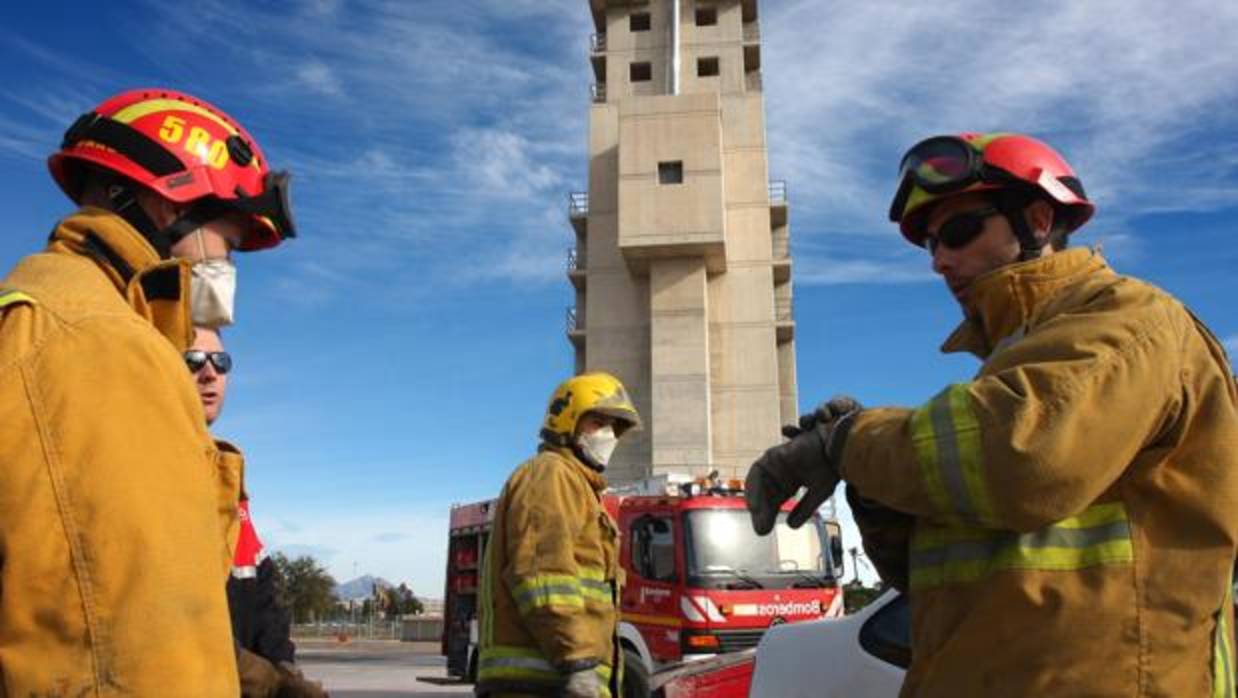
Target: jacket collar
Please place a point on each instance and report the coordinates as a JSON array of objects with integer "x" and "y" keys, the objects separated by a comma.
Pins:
[
  {"x": 156, "y": 289},
  {"x": 595, "y": 479},
  {"x": 1005, "y": 301}
]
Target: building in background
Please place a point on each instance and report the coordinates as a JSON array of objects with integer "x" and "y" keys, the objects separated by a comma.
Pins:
[{"x": 681, "y": 265}]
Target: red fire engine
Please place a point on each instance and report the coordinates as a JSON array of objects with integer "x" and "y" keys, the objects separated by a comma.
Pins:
[{"x": 700, "y": 582}]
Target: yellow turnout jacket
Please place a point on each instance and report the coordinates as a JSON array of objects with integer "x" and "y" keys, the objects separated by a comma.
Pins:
[
  {"x": 117, "y": 510},
  {"x": 551, "y": 581},
  {"x": 1074, "y": 507}
]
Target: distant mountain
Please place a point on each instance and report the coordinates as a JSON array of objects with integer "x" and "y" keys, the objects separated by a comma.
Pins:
[{"x": 360, "y": 588}]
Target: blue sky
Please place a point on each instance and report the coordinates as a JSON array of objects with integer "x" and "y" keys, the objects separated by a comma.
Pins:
[{"x": 397, "y": 356}]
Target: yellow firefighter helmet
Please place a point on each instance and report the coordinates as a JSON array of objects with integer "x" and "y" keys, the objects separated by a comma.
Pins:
[{"x": 589, "y": 392}]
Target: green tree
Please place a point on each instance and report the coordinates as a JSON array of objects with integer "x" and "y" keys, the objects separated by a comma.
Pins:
[
  {"x": 304, "y": 587},
  {"x": 405, "y": 602}
]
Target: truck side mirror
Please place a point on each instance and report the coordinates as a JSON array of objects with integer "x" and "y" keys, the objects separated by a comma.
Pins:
[{"x": 836, "y": 553}]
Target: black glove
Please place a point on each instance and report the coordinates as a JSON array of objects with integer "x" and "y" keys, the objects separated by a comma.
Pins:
[
  {"x": 809, "y": 460},
  {"x": 826, "y": 412}
]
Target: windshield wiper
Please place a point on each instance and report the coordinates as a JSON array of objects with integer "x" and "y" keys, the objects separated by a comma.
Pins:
[
  {"x": 816, "y": 581},
  {"x": 740, "y": 574}
]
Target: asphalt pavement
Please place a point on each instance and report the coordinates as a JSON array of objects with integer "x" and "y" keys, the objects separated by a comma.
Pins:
[{"x": 378, "y": 668}]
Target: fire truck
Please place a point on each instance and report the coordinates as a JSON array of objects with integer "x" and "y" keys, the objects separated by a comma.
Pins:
[{"x": 699, "y": 583}]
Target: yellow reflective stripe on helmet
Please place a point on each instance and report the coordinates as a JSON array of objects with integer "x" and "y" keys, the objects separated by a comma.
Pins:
[
  {"x": 8, "y": 298},
  {"x": 133, "y": 112},
  {"x": 1099, "y": 536},
  {"x": 946, "y": 435},
  {"x": 1222, "y": 653}
]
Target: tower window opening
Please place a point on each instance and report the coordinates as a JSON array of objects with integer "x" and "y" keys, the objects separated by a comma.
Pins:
[
  {"x": 670, "y": 172},
  {"x": 706, "y": 67},
  {"x": 639, "y": 21},
  {"x": 640, "y": 72},
  {"x": 706, "y": 16}
]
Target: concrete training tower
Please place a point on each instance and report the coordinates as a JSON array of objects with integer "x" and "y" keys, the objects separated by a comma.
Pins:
[{"x": 681, "y": 264}]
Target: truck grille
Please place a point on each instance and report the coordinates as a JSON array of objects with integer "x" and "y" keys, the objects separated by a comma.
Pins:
[{"x": 735, "y": 640}]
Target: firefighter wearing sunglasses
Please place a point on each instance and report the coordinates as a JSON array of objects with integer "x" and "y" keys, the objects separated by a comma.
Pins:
[
  {"x": 1064, "y": 522},
  {"x": 118, "y": 510}
]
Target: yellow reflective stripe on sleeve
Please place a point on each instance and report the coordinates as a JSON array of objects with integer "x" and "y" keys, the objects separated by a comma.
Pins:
[
  {"x": 1222, "y": 653},
  {"x": 926, "y": 449},
  {"x": 1099, "y": 536},
  {"x": 946, "y": 435},
  {"x": 8, "y": 298},
  {"x": 595, "y": 586},
  {"x": 515, "y": 663},
  {"x": 563, "y": 590},
  {"x": 546, "y": 590}
]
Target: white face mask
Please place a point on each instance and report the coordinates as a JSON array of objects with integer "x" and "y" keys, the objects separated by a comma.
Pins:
[
  {"x": 599, "y": 445},
  {"x": 212, "y": 292}
]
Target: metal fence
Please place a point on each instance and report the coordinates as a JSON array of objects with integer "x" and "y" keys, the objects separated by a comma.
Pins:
[
  {"x": 360, "y": 629},
  {"x": 424, "y": 628}
]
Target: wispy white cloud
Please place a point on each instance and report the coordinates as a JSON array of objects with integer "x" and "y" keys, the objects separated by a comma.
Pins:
[
  {"x": 319, "y": 77},
  {"x": 1128, "y": 90},
  {"x": 1231, "y": 343},
  {"x": 417, "y": 130},
  {"x": 850, "y": 271}
]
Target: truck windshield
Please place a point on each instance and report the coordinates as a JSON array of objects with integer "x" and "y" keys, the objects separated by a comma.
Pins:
[{"x": 724, "y": 551}]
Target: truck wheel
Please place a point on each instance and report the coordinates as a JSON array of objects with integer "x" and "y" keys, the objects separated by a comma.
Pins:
[{"x": 635, "y": 676}]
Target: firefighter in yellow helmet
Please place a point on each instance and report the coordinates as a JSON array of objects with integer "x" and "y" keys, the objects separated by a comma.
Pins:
[
  {"x": 551, "y": 580},
  {"x": 1065, "y": 522}
]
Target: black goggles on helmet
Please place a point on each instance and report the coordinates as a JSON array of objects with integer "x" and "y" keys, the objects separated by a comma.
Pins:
[
  {"x": 273, "y": 204},
  {"x": 940, "y": 165},
  {"x": 196, "y": 360}
]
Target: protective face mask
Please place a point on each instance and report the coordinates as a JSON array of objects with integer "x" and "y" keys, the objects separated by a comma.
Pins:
[
  {"x": 599, "y": 445},
  {"x": 212, "y": 292}
]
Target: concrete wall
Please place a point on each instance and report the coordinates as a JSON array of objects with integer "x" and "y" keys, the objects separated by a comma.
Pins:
[{"x": 682, "y": 302}]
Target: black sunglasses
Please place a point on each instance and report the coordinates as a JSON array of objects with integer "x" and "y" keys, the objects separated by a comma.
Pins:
[
  {"x": 957, "y": 231},
  {"x": 196, "y": 360}
]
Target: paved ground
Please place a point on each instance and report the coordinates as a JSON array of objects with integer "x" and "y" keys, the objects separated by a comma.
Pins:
[{"x": 378, "y": 669}]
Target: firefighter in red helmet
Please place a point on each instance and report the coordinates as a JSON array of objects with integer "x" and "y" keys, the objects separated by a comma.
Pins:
[
  {"x": 118, "y": 509},
  {"x": 1064, "y": 521}
]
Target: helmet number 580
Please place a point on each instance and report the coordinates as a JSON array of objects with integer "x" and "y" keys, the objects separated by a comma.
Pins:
[{"x": 199, "y": 143}]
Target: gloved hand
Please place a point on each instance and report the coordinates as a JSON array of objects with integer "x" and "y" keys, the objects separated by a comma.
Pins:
[
  {"x": 294, "y": 684},
  {"x": 809, "y": 459},
  {"x": 582, "y": 684},
  {"x": 259, "y": 677},
  {"x": 825, "y": 413}
]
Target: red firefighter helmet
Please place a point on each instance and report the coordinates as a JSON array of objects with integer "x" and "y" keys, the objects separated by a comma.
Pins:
[
  {"x": 184, "y": 149},
  {"x": 943, "y": 166}
]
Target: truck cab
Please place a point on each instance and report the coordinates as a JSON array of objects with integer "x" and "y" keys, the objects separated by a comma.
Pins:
[{"x": 700, "y": 582}]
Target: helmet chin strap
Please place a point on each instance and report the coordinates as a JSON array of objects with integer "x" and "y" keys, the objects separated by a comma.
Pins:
[
  {"x": 125, "y": 204},
  {"x": 1030, "y": 246}
]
